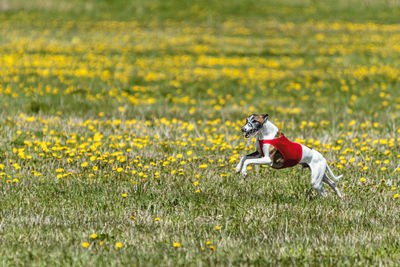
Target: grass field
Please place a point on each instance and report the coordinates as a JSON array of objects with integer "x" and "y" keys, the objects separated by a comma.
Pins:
[{"x": 120, "y": 130}]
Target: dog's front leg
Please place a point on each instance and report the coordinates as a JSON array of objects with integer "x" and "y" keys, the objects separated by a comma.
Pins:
[
  {"x": 266, "y": 160},
  {"x": 253, "y": 155}
]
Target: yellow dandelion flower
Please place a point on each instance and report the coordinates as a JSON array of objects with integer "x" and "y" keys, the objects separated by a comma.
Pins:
[
  {"x": 212, "y": 248},
  {"x": 16, "y": 166},
  {"x": 101, "y": 243},
  {"x": 362, "y": 179},
  {"x": 84, "y": 164},
  {"x": 85, "y": 244},
  {"x": 118, "y": 245},
  {"x": 396, "y": 195},
  {"x": 176, "y": 244},
  {"x": 217, "y": 228},
  {"x": 124, "y": 194},
  {"x": 157, "y": 219},
  {"x": 203, "y": 166},
  {"x": 93, "y": 236}
]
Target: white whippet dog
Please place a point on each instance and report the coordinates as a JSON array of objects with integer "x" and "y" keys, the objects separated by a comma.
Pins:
[{"x": 275, "y": 150}]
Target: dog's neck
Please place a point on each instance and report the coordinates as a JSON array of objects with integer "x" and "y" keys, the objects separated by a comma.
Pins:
[{"x": 268, "y": 131}]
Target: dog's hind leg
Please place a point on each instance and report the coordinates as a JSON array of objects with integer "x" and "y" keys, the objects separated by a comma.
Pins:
[
  {"x": 332, "y": 184},
  {"x": 317, "y": 175}
]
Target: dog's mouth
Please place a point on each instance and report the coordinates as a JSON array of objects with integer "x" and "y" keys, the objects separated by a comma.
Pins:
[{"x": 249, "y": 133}]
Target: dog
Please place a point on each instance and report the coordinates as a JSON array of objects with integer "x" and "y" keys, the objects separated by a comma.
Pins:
[{"x": 275, "y": 150}]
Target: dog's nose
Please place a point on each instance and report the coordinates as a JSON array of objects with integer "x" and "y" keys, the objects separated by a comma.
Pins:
[{"x": 243, "y": 130}]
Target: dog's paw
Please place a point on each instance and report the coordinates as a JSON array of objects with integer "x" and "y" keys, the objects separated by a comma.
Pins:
[
  {"x": 244, "y": 172},
  {"x": 237, "y": 170}
]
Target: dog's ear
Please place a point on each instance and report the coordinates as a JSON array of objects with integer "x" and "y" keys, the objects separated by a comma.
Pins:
[{"x": 265, "y": 117}]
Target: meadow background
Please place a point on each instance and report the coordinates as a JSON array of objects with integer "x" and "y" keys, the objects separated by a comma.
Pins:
[{"x": 120, "y": 130}]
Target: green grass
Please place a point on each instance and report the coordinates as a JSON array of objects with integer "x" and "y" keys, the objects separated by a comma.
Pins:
[
  {"x": 210, "y": 11},
  {"x": 146, "y": 98}
]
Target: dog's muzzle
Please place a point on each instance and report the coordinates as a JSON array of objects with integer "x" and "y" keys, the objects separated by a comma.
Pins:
[{"x": 248, "y": 132}]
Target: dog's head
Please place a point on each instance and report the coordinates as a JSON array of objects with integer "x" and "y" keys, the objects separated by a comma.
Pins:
[{"x": 253, "y": 124}]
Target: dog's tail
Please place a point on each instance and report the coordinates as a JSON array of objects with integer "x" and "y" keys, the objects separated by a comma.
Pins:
[{"x": 336, "y": 178}]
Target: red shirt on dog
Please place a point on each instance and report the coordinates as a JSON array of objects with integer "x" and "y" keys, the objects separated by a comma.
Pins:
[{"x": 291, "y": 152}]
